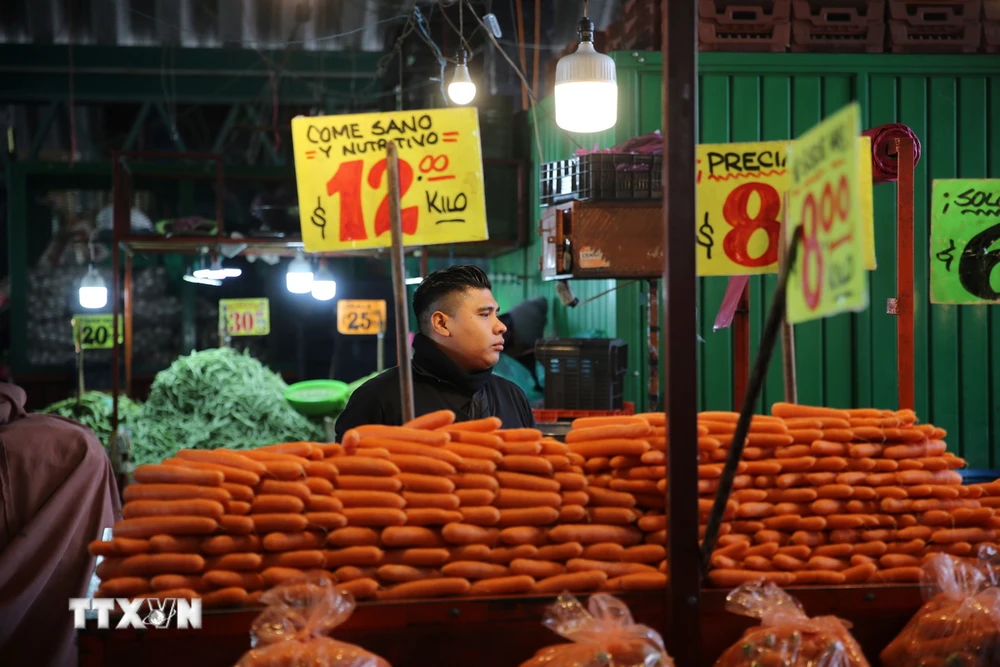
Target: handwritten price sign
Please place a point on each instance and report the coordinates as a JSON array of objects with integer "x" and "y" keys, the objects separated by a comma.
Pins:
[
  {"x": 95, "y": 332},
  {"x": 739, "y": 207},
  {"x": 965, "y": 241},
  {"x": 360, "y": 317},
  {"x": 340, "y": 170},
  {"x": 246, "y": 317},
  {"x": 828, "y": 276},
  {"x": 740, "y": 190}
]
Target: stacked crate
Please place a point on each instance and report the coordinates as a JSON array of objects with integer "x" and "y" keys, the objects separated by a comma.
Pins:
[
  {"x": 745, "y": 25},
  {"x": 991, "y": 27},
  {"x": 935, "y": 26},
  {"x": 838, "y": 26}
]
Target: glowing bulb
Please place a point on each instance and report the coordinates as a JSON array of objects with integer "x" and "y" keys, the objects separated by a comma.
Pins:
[
  {"x": 299, "y": 278},
  {"x": 93, "y": 290},
  {"x": 586, "y": 88},
  {"x": 324, "y": 287},
  {"x": 461, "y": 90}
]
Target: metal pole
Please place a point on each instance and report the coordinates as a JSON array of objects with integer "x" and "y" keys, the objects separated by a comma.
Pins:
[
  {"x": 789, "y": 378},
  {"x": 741, "y": 347},
  {"x": 904, "y": 274},
  {"x": 653, "y": 343},
  {"x": 399, "y": 285},
  {"x": 128, "y": 322},
  {"x": 380, "y": 363},
  {"x": 680, "y": 131}
]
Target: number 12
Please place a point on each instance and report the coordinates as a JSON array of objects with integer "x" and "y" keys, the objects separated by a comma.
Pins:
[{"x": 347, "y": 182}]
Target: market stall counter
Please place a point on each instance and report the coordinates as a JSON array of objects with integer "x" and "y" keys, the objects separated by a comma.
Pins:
[{"x": 498, "y": 632}]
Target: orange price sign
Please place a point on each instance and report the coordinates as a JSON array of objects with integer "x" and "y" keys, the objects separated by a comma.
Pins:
[
  {"x": 828, "y": 276},
  {"x": 360, "y": 317},
  {"x": 740, "y": 187},
  {"x": 340, "y": 172},
  {"x": 245, "y": 317}
]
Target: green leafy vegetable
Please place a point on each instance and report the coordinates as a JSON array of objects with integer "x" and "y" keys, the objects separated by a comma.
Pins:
[{"x": 94, "y": 410}]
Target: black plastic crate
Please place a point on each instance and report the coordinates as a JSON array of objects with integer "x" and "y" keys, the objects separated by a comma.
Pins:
[
  {"x": 602, "y": 177},
  {"x": 583, "y": 373}
]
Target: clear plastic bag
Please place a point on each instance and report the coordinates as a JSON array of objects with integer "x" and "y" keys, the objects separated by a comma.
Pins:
[
  {"x": 959, "y": 626},
  {"x": 786, "y": 636},
  {"x": 604, "y": 636},
  {"x": 292, "y": 631}
]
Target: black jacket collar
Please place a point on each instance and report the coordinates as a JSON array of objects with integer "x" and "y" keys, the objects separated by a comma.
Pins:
[{"x": 429, "y": 359}]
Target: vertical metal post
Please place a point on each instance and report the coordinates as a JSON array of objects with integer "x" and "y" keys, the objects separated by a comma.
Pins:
[
  {"x": 653, "y": 343},
  {"x": 128, "y": 322},
  {"x": 789, "y": 379},
  {"x": 680, "y": 132},
  {"x": 380, "y": 362},
  {"x": 904, "y": 273},
  {"x": 402, "y": 309},
  {"x": 741, "y": 347}
]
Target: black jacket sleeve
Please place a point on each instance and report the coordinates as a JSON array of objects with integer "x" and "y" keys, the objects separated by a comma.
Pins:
[
  {"x": 364, "y": 407},
  {"x": 524, "y": 407}
]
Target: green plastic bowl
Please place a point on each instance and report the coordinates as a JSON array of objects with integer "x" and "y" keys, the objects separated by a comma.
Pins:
[{"x": 318, "y": 398}]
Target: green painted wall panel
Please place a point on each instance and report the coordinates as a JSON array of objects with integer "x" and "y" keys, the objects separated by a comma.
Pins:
[{"x": 848, "y": 360}]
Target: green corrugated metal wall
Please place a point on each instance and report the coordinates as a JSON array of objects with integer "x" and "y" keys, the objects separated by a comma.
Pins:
[{"x": 848, "y": 360}]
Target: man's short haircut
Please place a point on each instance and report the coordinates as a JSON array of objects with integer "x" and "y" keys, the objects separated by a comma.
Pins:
[{"x": 436, "y": 290}]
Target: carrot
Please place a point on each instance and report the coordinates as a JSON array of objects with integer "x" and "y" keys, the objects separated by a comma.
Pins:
[
  {"x": 324, "y": 504},
  {"x": 303, "y": 559},
  {"x": 262, "y": 455},
  {"x": 608, "y": 498},
  {"x": 528, "y": 516},
  {"x": 223, "y": 458},
  {"x": 635, "y": 486},
  {"x": 224, "y": 544},
  {"x": 859, "y": 573},
  {"x": 480, "y": 439},
  {"x": 417, "y": 557},
  {"x": 411, "y": 536},
  {"x": 322, "y": 469},
  {"x": 506, "y": 555},
  {"x": 298, "y": 489},
  {"x": 174, "y": 492},
  {"x": 235, "y": 475},
  {"x": 531, "y": 449},
  {"x": 609, "y": 447},
  {"x": 730, "y": 578},
  {"x": 276, "y": 576},
  {"x": 353, "y": 536},
  {"x": 789, "y": 563},
  {"x": 145, "y": 527},
  {"x": 432, "y": 420},
  {"x": 485, "y": 425},
  {"x": 527, "y": 464},
  {"x": 424, "y": 437},
  {"x": 465, "y": 480},
  {"x": 476, "y": 497},
  {"x": 973, "y": 535},
  {"x": 292, "y": 541},
  {"x": 807, "y": 538},
  {"x": 468, "y": 451},
  {"x": 240, "y": 492},
  {"x": 560, "y": 552},
  {"x": 147, "y": 564},
  {"x": 616, "y": 420},
  {"x": 431, "y": 516},
  {"x": 357, "y": 556},
  {"x": 447, "y": 501},
  {"x": 613, "y": 515},
  {"x": 232, "y": 597},
  {"x": 591, "y": 534},
  {"x": 165, "y": 582},
  {"x": 155, "y": 508},
  {"x": 165, "y": 474},
  {"x": 646, "y": 553},
  {"x": 427, "y": 588},
  {"x": 512, "y": 498},
  {"x": 464, "y": 534},
  {"x": 441, "y": 453},
  {"x": 514, "y": 480},
  {"x": 126, "y": 587},
  {"x": 511, "y": 585},
  {"x": 358, "y": 465},
  {"x": 361, "y": 589},
  {"x": 398, "y": 573},
  {"x": 819, "y": 577},
  {"x": 480, "y": 466},
  {"x": 238, "y": 525},
  {"x": 801, "y": 464},
  {"x": 370, "y": 499},
  {"x": 279, "y": 522},
  {"x": 587, "y": 580},
  {"x": 480, "y": 516},
  {"x": 275, "y": 504},
  {"x": 326, "y": 520},
  {"x": 796, "y": 411}
]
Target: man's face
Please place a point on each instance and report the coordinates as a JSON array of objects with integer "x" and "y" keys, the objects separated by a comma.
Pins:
[{"x": 472, "y": 334}]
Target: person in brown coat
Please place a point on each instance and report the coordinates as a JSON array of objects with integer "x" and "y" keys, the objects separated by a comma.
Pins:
[{"x": 57, "y": 494}]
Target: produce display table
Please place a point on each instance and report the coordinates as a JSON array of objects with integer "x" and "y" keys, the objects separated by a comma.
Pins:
[{"x": 490, "y": 633}]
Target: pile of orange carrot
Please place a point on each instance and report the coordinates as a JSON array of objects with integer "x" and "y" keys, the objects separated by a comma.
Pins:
[
  {"x": 830, "y": 496},
  {"x": 438, "y": 508}
]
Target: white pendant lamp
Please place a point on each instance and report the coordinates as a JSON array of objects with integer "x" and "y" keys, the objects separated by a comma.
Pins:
[
  {"x": 324, "y": 287},
  {"x": 462, "y": 90},
  {"x": 586, "y": 86},
  {"x": 93, "y": 290},
  {"x": 299, "y": 278}
]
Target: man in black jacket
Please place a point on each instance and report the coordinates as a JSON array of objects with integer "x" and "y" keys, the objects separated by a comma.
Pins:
[{"x": 459, "y": 343}]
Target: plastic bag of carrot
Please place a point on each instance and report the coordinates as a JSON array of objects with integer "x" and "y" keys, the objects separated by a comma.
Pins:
[
  {"x": 786, "y": 635},
  {"x": 293, "y": 629},
  {"x": 603, "y": 636},
  {"x": 959, "y": 626}
]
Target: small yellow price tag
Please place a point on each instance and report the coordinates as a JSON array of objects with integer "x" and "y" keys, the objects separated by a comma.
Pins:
[
  {"x": 95, "y": 332},
  {"x": 246, "y": 317},
  {"x": 361, "y": 317}
]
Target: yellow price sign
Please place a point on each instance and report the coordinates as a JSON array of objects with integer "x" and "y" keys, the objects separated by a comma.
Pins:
[
  {"x": 740, "y": 187},
  {"x": 340, "y": 166},
  {"x": 361, "y": 317},
  {"x": 828, "y": 276},
  {"x": 740, "y": 192},
  {"x": 245, "y": 317},
  {"x": 95, "y": 332}
]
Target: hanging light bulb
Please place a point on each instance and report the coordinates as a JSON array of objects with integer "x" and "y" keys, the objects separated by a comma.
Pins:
[
  {"x": 299, "y": 278},
  {"x": 215, "y": 271},
  {"x": 462, "y": 90},
  {"x": 93, "y": 290},
  {"x": 324, "y": 287},
  {"x": 586, "y": 86},
  {"x": 190, "y": 277}
]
